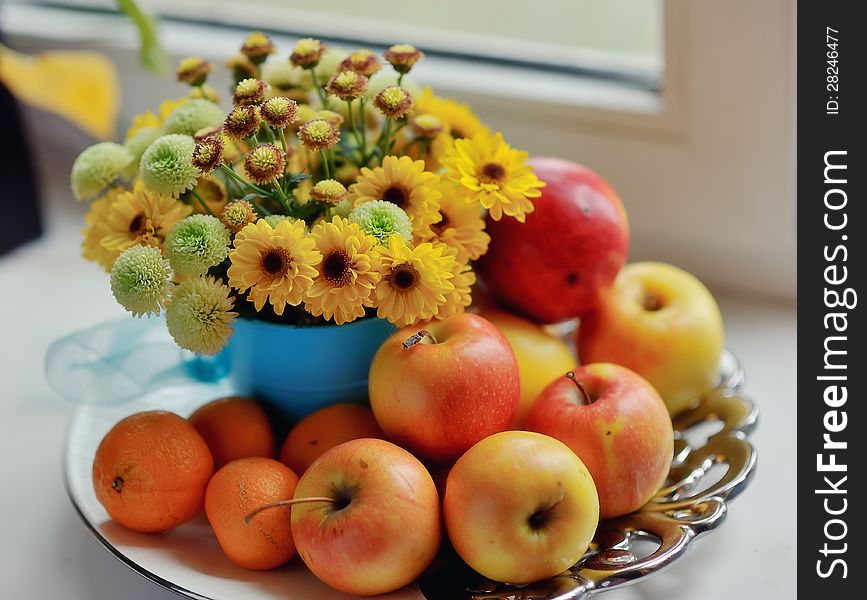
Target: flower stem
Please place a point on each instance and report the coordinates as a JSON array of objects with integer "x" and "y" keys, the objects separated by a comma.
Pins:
[
  {"x": 323, "y": 97},
  {"x": 231, "y": 173},
  {"x": 326, "y": 162},
  {"x": 284, "y": 200},
  {"x": 202, "y": 202},
  {"x": 383, "y": 136},
  {"x": 283, "y": 140},
  {"x": 353, "y": 126},
  {"x": 363, "y": 129},
  {"x": 270, "y": 133}
]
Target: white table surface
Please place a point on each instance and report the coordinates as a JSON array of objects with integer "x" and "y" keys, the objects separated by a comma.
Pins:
[{"x": 45, "y": 552}]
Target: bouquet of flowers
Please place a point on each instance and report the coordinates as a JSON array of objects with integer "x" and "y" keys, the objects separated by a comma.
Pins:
[{"x": 334, "y": 189}]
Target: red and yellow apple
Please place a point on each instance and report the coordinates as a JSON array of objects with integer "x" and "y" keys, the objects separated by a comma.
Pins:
[
  {"x": 662, "y": 323},
  {"x": 520, "y": 507},
  {"x": 437, "y": 391},
  {"x": 617, "y": 425},
  {"x": 541, "y": 357},
  {"x": 554, "y": 266},
  {"x": 381, "y": 526}
]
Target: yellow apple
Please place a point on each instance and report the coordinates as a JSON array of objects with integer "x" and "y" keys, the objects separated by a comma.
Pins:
[
  {"x": 520, "y": 507},
  {"x": 662, "y": 323},
  {"x": 541, "y": 357}
]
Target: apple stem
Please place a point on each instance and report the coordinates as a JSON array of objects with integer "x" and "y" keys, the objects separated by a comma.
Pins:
[
  {"x": 282, "y": 503},
  {"x": 417, "y": 337},
  {"x": 582, "y": 391}
]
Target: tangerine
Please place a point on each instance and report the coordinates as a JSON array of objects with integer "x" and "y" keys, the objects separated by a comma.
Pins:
[
  {"x": 151, "y": 470},
  {"x": 324, "y": 429},
  {"x": 238, "y": 489},
  {"x": 234, "y": 428}
]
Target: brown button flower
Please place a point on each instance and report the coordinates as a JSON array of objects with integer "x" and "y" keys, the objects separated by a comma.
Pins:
[
  {"x": 393, "y": 101},
  {"x": 279, "y": 112},
  {"x": 363, "y": 62},
  {"x": 306, "y": 53},
  {"x": 257, "y": 47},
  {"x": 403, "y": 57},
  {"x": 194, "y": 70},
  {"x": 264, "y": 163},
  {"x": 208, "y": 153},
  {"x": 249, "y": 91},
  {"x": 242, "y": 122},
  {"x": 318, "y": 134},
  {"x": 347, "y": 85}
]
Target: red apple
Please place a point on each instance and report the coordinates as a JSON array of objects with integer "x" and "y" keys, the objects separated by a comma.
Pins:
[
  {"x": 520, "y": 507},
  {"x": 439, "y": 392},
  {"x": 617, "y": 424},
  {"x": 554, "y": 266},
  {"x": 381, "y": 528},
  {"x": 662, "y": 323}
]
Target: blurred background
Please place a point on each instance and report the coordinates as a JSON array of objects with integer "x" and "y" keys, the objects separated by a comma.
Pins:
[{"x": 687, "y": 107}]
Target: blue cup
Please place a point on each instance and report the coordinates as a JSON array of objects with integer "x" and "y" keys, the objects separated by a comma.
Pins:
[{"x": 302, "y": 369}]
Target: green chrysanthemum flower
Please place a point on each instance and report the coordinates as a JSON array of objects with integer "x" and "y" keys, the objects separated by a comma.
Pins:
[
  {"x": 200, "y": 315},
  {"x": 381, "y": 219},
  {"x": 136, "y": 146},
  {"x": 272, "y": 220},
  {"x": 167, "y": 165},
  {"x": 342, "y": 209},
  {"x": 140, "y": 280},
  {"x": 98, "y": 167},
  {"x": 193, "y": 115},
  {"x": 196, "y": 244}
]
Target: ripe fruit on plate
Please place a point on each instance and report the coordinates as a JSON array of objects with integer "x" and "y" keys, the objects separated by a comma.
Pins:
[
  {"x": 541, "y": 357},
  {"x": 236, "y": 490},
  {"x": 324, "y": 429},
  {"x": 234, "y": 428},
  {"x": 520, "y": 507},
  {"x": 379, "y": 526},
  {"x": 151, "y": 470},
  {"x": 554, "y": 266},
  {"x": 437, "y": 390},
  {"x": 662, "y": 323},
  {"x": 617, "y": 424}
]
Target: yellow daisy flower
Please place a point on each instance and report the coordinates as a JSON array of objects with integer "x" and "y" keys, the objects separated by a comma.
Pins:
[
  {"x": 463, "y": 278},
  {"x": 403, "y": 182},
  {"x": 489, "y": 171},
  {"x": 414, "y": 281},
  {"x": 348, "y": 273},
  {"x": 141, "y": 216},
  {"x": 97, "y": 228},
  {"x": 461, "y": 227},
  {"x": 458, "y": 121},
  {"x": 277, "y": 264},
  {"x": 458, "y": 118}
]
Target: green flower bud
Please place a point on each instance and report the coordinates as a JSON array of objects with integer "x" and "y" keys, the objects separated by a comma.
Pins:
[{"x": 98, "y": 167}]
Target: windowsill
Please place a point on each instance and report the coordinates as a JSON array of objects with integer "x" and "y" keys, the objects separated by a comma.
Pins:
[{"x": 549, "y": 91}]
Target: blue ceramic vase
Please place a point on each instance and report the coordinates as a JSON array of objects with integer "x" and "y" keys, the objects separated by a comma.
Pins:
[{"x": 299, "y": 370}]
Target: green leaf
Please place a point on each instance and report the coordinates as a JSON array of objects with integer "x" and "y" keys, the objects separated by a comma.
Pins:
[{"x": 151, "y": 53}]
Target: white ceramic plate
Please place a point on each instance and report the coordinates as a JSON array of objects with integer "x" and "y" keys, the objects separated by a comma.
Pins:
[{"x": 186, "y": 560}]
